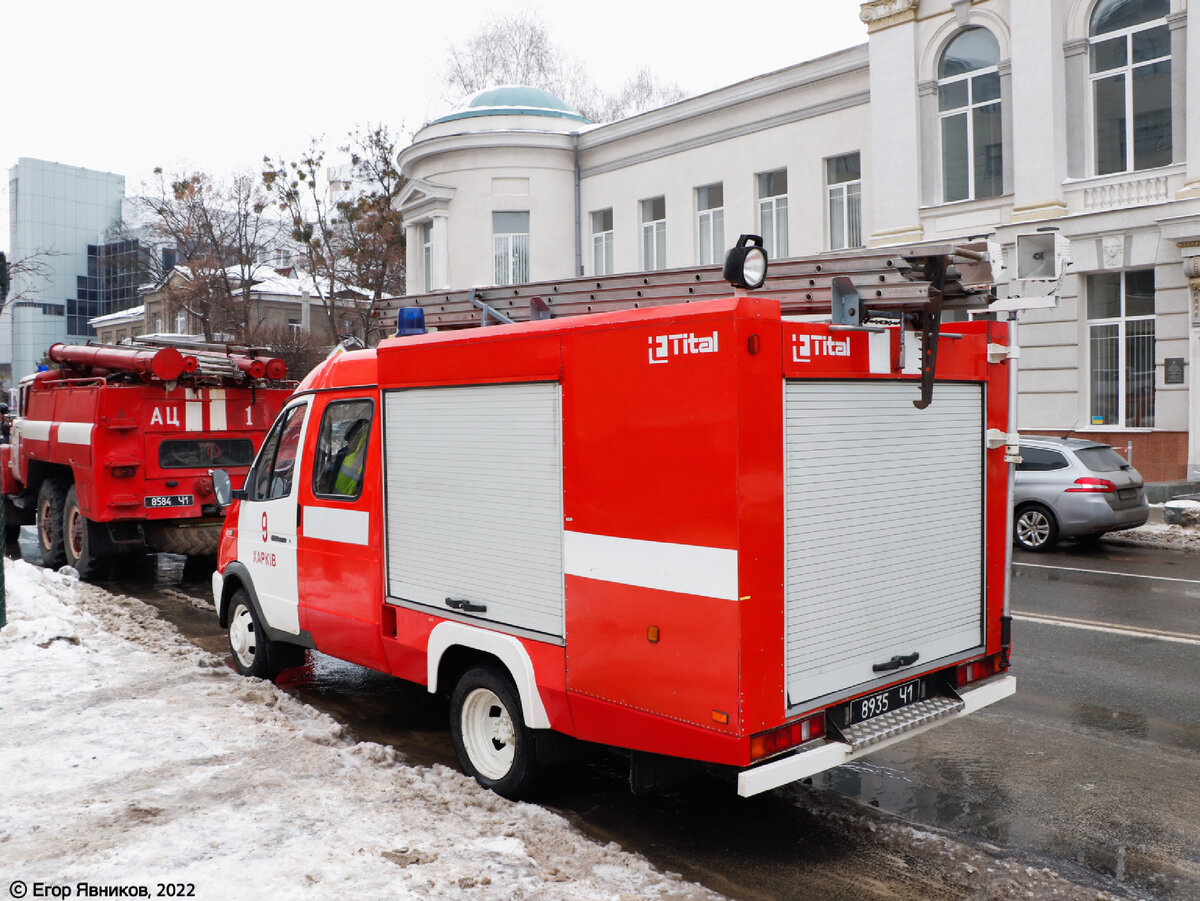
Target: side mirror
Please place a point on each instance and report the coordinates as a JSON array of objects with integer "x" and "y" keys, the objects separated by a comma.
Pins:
[{"x": 223, "y": 488}]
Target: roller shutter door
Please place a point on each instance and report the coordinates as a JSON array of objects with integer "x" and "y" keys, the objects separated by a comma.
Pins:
[
  {"x": 474, "y": 501},
  {"x": 884, "y": 534}
]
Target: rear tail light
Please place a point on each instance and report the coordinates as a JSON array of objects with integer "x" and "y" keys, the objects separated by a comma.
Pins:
[
  {"x": 977, "y": 670},
  {"x": 788, "y": 736},
  {"x": 1094, "y": 486},
  {"x": 124, "y": 472}
]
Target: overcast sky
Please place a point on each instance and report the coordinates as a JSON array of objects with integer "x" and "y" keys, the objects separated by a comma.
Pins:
[{"x": 132, "y": 84}]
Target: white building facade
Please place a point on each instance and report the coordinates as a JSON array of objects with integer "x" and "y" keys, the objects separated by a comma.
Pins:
[{"x": 957, "y": 119}]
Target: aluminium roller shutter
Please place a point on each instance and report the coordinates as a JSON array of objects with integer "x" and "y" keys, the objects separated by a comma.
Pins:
[
  {"x": 884, "y": 533},
  {"x": 473, "y": 500}
]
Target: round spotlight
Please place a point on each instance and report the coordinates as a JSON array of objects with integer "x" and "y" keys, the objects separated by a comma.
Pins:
[{"x": 746, "y": 263}]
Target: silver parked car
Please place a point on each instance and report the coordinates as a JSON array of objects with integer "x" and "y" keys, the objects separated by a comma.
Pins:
[{"x": 1073, "y": 488}]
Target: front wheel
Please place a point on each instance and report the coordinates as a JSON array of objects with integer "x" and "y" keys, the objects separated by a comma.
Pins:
[
  {"x": 490, "y": 736},
  {"x": 253, "y": 653},
  {"x": 1034, "y": 528}
]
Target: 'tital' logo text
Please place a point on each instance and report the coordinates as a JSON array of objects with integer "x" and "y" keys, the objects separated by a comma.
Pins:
[
  {"x": 663, "y": 347},
  {"x": 805, "y": 347}
]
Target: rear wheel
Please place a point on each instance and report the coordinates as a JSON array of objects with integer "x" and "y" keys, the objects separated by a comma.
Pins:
[
  {"x": 1035, "y": 528},
  {"x": 51, "y": 497},
  {"x": 80, "y": 538},
  {"x": 493, "y": 743}
]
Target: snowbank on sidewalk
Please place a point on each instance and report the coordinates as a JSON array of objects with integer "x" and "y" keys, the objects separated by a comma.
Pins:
[{"x": 132, "y": 758}]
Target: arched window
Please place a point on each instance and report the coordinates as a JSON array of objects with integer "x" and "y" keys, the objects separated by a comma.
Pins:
[
  {"x": 1131, "y": 84},
  {"x": 969, "y": 109}
]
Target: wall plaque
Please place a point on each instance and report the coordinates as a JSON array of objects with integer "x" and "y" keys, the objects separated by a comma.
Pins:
[{"x": 1173, "y": 371}]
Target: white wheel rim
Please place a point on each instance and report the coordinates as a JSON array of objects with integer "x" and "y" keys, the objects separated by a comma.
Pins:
[
  {"x": 241, "y": 636},
  {"x": 488, "y": 734}
]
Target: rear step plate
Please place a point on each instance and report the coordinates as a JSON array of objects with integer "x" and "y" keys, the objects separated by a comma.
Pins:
[{"x": 894, "y": 722}]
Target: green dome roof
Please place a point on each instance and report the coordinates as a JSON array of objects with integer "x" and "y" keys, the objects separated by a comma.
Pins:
[{"x": 513, "y": 100}]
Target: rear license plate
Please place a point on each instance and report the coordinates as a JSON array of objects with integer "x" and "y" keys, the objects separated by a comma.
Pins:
[
  {"x": 870, "y": 706},
  {"x": 170, "y": 500},
  {"x": 1127, "y": 493}
]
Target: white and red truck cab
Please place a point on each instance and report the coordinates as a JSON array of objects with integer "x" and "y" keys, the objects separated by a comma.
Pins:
[{"x": 697, "y": 531}]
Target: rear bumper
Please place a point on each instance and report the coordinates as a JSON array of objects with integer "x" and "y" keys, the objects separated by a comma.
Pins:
[
  {"x": 828, "y": 754},
  {"x": 1091, "y": 514}
]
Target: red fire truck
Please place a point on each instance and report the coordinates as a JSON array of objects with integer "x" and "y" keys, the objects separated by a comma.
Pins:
[
  {"x": 111, "y": 450},
  {"x": 697, "y": 532}
]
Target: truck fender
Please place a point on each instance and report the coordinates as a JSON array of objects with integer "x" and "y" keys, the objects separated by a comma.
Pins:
[
  {"x": 225, "y": 584},
  {"x": 506, "y": 648}
]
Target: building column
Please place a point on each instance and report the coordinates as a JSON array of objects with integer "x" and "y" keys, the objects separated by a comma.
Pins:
[
  {"x": 1039, "y": 123},
  {"x": 440, "y": 252},
  {"x": 895, "y": 121},
  {"x": 1190, "y": 60},
  {"x": 1191, "y": 270}
]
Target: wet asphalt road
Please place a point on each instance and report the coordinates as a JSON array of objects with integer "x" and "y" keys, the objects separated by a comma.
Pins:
[{"x": 1093, "y": 769}]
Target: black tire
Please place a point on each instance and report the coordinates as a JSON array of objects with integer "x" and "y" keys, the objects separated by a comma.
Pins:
[
  {"x": 12, "y": 522},
  {"x": 1034, "y": 528},
  {"x": 51, "y": 497},
  {"x": 490, "y": 736},
  {"x": 253, "y": 653},
  {"x": 81, "y": 541}
]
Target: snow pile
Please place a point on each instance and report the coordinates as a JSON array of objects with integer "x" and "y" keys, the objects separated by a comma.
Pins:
[{"x": 132, "y": 758}]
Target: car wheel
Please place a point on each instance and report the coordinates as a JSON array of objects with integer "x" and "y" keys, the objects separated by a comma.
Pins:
[
  {"x": 51, "y": 496},
  {"x": 1035, "y": 528},
  {"x": 79, "y": 538},
  {"x": 253, "y": 653},
  {"x": 490, "y": 736}
]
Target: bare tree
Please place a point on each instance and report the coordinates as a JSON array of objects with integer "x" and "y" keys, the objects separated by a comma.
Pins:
[
  {"x": 21, "y": 277},
  {"x": 374, "y": 229},
  {"x": 218, "y": 231},
  {"x": 641, "y": 93},
  {"x": 517, "y": 49},
  {"x": 352, "y": 240},
  {"x": 300, "y": 189},
  {"x": 299, "y": 349}
]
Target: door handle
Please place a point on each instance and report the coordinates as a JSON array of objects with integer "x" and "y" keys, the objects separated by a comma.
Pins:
[
  {"x": 897, "y": 662},
  {"x": 466, "y": 606}
]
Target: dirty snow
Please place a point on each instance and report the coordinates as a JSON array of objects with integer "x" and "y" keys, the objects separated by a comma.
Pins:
[{"x": 132, "y": 758}]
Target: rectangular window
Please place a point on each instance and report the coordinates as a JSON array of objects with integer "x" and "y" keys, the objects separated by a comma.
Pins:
[
  {"x": 510, "y": 247},
  {"x": 340, "y": 460},
  {"x": 654, "y": 233},
  {"x": 710, "y": 223},
  {"x": 1120, "y": 311},
  {"x": 773, "y": 212},
  {"x": 843, "y": 179},
  {"x": 1131, "y": 100},
  {"x": 181, "y": 323},
  {"x": 602, "y": 242},
  {"x": 427, "y": 254}
]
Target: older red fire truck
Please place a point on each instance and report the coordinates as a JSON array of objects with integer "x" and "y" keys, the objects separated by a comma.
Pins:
[
  {"x": 700, "y": 531},
  {"x": 111, "y": 450}
]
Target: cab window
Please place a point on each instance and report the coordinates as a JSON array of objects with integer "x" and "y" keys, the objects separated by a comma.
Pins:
[
  {"x": 272, "y": 474},
  {"x": 341, "y": 455}
]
